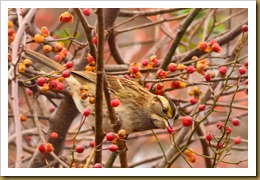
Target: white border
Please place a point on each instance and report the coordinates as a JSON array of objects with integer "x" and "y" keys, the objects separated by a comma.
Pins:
[{"x": 250, "y": 171}]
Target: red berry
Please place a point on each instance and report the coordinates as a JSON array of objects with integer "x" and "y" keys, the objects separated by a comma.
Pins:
[
  {"x": 209, "y": 137},
  {"x": 79, "y": 149},
  {"x": 41, "y": 148},
  {"x": 172, "y": 67},
  {"x": 228, "y": 129},
  {"x": 190, "y": 69},
  {"x": 207, "y": 77},
  {"x": 162, "y": 74},
  {"x": 58, "y": 57},
  {"x": 145, "y": 62},
  {"x": 60, "y": 86},
  {"x": 54, "y": 135},
  {"x": 193, "y": 100},
  {"x": 246, "y": 64},
  {"x": 86, "y": 112},
  {"x": 170, "y": 129},
  {"x": 222, "y": 70},
  {"x": 244, "y": 28},
  {"x": 115, "y": 102},
  {"x": 51, "y": 109},
  {"x": 69, "y": 64},
  {"x": 95, "y": 40},
  {"x": 187, "y": 121},
  {"x": 219, "y": 125},
  {"x": 242, "y": 70},
  {"x": 246, "y": 82},
  {"x": 86, "y": 12},
  {"x": 29, "y": 91},
  {"x": 53, "y": 84},
  {"x": 92, "y": 144},
  {"x": 203, "y": 46},
  {"x": 148, "y": 85},
  {"x": 110, "y": 136},
  {"x": 113, "y": 148},
  {"x": 127, "y": 76},
  {"x": 220, "y": 145},
  {"x": 66, "y": 73},
  {"x": 98, "y": 165},
  {"x": 90, "y": 59},
  {"x": 41, "y": 81},
  {"x": 212, "y": 41},
  {"x": 235, "y": 122},
  {"x": 176, "y": 84},
  {"x": 237, "y": 140},
  {"x": 216, "y": 47},
  {"x": 135, "y": 69},
  {"x": 202, "y": 107}
]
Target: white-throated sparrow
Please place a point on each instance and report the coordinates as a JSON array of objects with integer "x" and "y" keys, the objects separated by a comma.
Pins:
[{"x": 139, "y": 109}]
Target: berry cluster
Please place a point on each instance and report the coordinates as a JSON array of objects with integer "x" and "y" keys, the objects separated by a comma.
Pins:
[
  {"x": 213, "y": 45},
  {"x": 91, "y": 64}
]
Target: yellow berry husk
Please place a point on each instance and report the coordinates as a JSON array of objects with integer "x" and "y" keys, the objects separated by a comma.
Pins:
[
  {"x": 60, "y": 79},
  {"x": 212, "y": 74},
  {"x": 21, "y": 68},
  {"x": 47, "y": 48},
  {"x": 137, "y": 75},
  {"x": 182, "y": 84},
  {"x": 45, "y": 32},
  {"x": 122, "y": 133},
  {"x": 38, "y": 38},
  {"x": 58, "y": 46},
  {"x": 49, "y": 147},
  {"x": 86, "y": 88},
  {"x": 27, "y": 62},
  {"x": 90, "y": 68},
  {"x": 181, "y": 67},
  {"x": 44, "y": 89}
]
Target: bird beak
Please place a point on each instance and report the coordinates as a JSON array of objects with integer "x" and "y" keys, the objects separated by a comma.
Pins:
[
  {"x": 168, "y": 126},
  {"x": 167, "y": 123}
]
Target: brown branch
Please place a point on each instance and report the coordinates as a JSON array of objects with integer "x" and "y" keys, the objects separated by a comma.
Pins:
[
  {"x": 99, "y": 133},
  {"x": 124, "y": 13},
  {"x": 88, "y": 31},
  {"x": 149, "y": 24},
  {"x": 178, "y": 38},
  {"x": 110, "y": 17}
]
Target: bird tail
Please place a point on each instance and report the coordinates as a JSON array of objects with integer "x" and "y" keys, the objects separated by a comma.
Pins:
[{"x": 44, "y": 60}]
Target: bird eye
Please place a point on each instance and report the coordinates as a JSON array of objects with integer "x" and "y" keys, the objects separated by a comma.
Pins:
[{"x": 164, "y": 110}]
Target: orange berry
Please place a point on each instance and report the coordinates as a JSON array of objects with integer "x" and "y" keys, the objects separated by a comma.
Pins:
[
  {"x": 10, "y": 24},
  {"x": 21, "y": 68},
  {"x": 47, "y": 48},
  {"x": 38, "y": 38},
  {"x": 188, "y": 152},
  {"x": 92, "y": 100},
  {"x": 23, "y": 118},
  {"x": 183, "y": 84},
  {"x": 192, "y": 159},
  {"x": 27, "y": 62}
]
